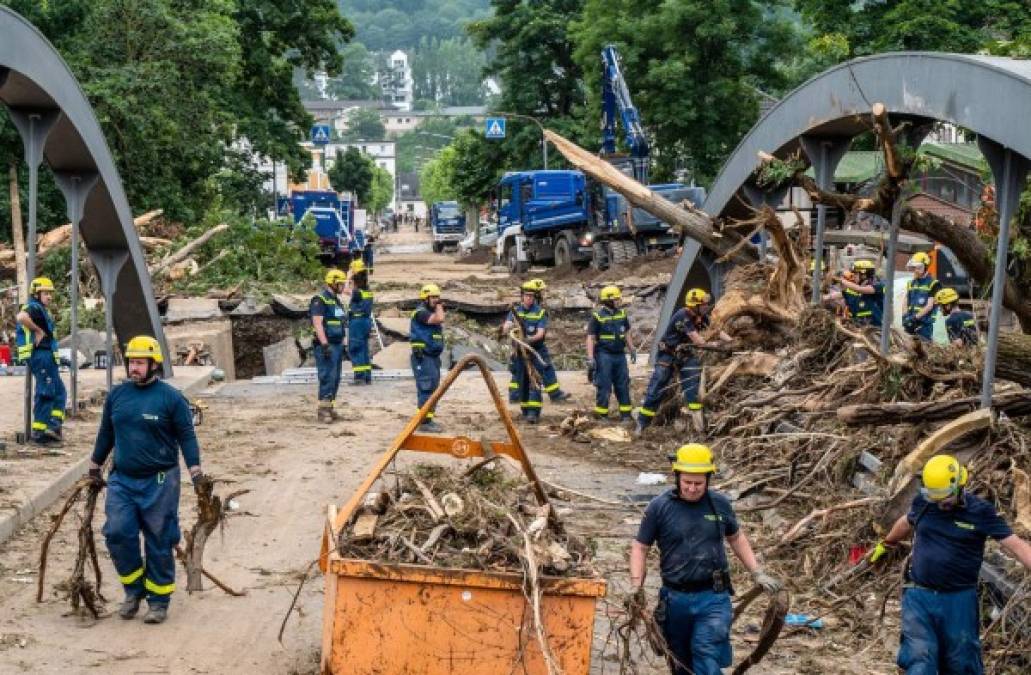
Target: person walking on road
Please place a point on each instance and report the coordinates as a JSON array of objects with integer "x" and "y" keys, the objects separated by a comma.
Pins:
[
  {"x": 359, "y": 323},
  {"x": 426, "y": 332},
  {"x": 690, "y": 523},
  {"x": 676, "y": 353},
  {"x": 959, "y": 324},
  {"x": 918, "y": 319},
  {"x": 37, "y": 346},
  {"x": 608, "y": 338},
  {"x": 940, "y": 622},
  {"x": 327, "y": 319},
  {"x": 148, "y": 424}
]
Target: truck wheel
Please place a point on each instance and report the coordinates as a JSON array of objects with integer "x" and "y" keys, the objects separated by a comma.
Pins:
[
  {"x": 436, "y": 247},
  {"x": 600, "y": 258},
  {"x": 515, "y": 266},
  {"x": 630, "y": 246},
  {"x": 563, "y": 256},
  {"x": 619, "y": 252}
]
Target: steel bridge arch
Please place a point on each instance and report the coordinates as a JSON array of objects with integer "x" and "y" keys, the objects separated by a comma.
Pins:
[
  {"x": 36, "y": 82},
  {"x": 990, "y": 96}
]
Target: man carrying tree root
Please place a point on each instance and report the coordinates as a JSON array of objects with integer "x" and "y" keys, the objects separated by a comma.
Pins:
[
  {"x": 148, "y": 423},
  {"x": 534, "y": 317},
  {"x": 690, "y": 523},
  {"x": 940, "y": 624},
  {"x": 676, "y": 352}
]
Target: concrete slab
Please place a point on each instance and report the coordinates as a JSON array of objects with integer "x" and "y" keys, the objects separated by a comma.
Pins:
[
  {"x": 216, "y": 334},
  {"x": 90, "y": 341},
  {"x": 32, "y": 479},
  {"x": 280, "y": 356},
  {"x": 192, "y": 309},
  {"x": 395, "y": 326},
  {"x": 290, "y": 306},
  {"x": 396, "y": 356}
]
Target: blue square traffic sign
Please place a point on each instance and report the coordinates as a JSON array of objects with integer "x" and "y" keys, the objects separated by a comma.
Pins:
[
  {"x": 495, "y": 127},
  {"x": 320, "y": 134}
]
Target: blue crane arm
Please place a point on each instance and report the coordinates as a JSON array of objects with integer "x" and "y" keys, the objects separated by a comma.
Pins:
[{"x": 615, "y": 97}]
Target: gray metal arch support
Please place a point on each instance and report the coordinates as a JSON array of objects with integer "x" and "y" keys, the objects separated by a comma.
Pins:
[
  {"x": 35, "y": 79},
  {"x": 988, "y": 95}
]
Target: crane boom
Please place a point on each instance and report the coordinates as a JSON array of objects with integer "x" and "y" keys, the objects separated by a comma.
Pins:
[{"x": 615, "y": 99}]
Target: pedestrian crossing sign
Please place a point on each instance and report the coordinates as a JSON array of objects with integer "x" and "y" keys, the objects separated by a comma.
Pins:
[
  {"x": 320, "y": 134},
  {"x": 495, "y": 127}
]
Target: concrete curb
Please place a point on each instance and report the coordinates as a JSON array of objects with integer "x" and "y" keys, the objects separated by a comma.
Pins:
[{"x": 41, "y": 501}]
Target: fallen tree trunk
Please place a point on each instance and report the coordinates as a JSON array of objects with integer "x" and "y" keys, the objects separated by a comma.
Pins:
[
  {"x": 1015, "y": 404},
  {"x": 694, "y": 223},
  {"x": 161, "y": 267},
  {"x": 1014, "y": 363},
  {"x": 18, "y": 235}
]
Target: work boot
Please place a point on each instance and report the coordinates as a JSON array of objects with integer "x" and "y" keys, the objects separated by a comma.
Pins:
[
  {"x": 531, "y": 419},
  {"x": 129, "y": 607},
  {"x": 54, "y": 435},
  {"x": 698, "y": 420},
  {"x": 40, "y": 438},
  {"x": 560, "y": 396},
  {"x": 333, "y": 414},
  {"x": 430, "y": 427},
  {"x": 642, "y": 424},
  {"x": 325, "y": 413},
  {"x": 626, "y": 419},
  {"x": 156, "y": 614}
]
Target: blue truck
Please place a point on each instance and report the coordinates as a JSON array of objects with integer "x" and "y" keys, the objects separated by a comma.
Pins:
[
  {"x": 339, "y": 239},
  {"x": 447, "y": 224},
  {"x": 563, "y": 218}
]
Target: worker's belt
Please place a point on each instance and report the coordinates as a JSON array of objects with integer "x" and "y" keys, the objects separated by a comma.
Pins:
[
  {"x": 700, "y": 586},
  {"x": 913, "y": 584}
]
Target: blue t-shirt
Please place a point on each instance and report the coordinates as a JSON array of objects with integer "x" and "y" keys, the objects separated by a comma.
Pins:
[
  {"x": 961, "y": 325},
  {"x": 535, "y": 319},
  {"x": 948, "y": 545},
  {"x": 681, "y": 325},
  {"x": 690, "y": 535},
  {"x": 147, "y": 427}
]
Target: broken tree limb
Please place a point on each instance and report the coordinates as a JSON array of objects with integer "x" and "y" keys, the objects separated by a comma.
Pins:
[
  {"x": 180, "y": 555},
  {"x": 161, "y": 267},
  {"x": 693, "y": 223},
  {"x": 17, "y": 232},
  {"x": 940, "y": 439},
  {"x": 773, "y": 623},
  {"x": 1013, "y": 404},
  {"x": 883, "y": 128},
  {"x": 211, "y": 512},
  {"x": 58, "y": 519},
  {"x": 1014, "y": 363}
]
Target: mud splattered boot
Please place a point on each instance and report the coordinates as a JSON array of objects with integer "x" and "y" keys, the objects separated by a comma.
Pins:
[
  {"x": 129, "y": 607},
  {"x": 325, "y": 412}
]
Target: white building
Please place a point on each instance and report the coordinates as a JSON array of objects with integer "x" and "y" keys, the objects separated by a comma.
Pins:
[
  {"x": 398, "y": 85},
  {"x": 383, "y": 153}
]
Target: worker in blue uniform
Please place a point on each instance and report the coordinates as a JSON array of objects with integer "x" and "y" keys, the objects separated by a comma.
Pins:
[
  {"x": 959, "y": 324},
  {"x": 918, "y": 319},
  {"x": 675, "y": 353},
  {"x": 544, "y": 364},
  {"x": 608, "y": 339},
  {"x": 148, "y": 424},
  {"x": 359, "y": 323},
  {"x": 940, "y": 622},
  {"x": 37, "y": 346},
  {"x": 690, "y": 523},
  {"x": 327, "y": 320},
  {"x": 863, "y": 294},
  {"x": 426, "y": 333}
]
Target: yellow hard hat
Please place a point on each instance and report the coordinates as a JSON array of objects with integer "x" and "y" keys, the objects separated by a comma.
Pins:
[
  {"x": 695, "y": 297},
  {"x": 863, "y": 266},
  {"x": 41, "y": 284},
  {"x": 357, "y": 266},
  {"x": 534, "y": 286},
  {"x": 919, "y": 258},
  {"x": 429, "y": 290},
  {"x": 946, "y": 296},
  {"x": 335, "y": 276},
  {"x": 693, "y": 458},
  {"x": 943, "y": 477},
  {"x": 144, "y": 347},
  {"x": 610, "y": 293}
]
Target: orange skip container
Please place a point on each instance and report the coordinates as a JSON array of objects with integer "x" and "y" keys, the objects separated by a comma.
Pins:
[{"x": 399, "y": 619}]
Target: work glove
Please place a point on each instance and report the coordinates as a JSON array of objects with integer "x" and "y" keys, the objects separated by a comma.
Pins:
[
  {"x": 327, "y": 352},
  {"x": 636, "y": 603},
  {"x": 879, "y": 551},
  {"x": 202, "y": 485},
  {"x": 592, "y": 368},
  {"x": 909, "y": 322},
  {"x": 96, "y": 481},
  {"x": 633, "y": 358},
  {"x": 769, "y": 584}
]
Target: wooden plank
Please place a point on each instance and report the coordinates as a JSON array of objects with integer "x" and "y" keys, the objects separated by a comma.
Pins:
[{"x": 364, "y": 528}]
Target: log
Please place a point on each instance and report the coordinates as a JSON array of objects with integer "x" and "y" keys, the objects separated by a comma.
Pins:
[
  {"x": 1014, "y": 363},
  {"x": 161, "y": 267},
  {"x": 1013, "y": 404},
  {"x": 18, "y": 235},
  {"x": 693, "y": 223},
  {"x": 940, "y": 439},
  {"x": 883, "y": 128}
]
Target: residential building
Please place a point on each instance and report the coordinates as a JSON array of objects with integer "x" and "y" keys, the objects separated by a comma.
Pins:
[
  {"x": 398, "y": 85},
  {"x": 406, "y": 192}
]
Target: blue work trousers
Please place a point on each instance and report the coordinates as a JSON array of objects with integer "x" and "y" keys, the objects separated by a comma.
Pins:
[
  {"x": 50, "y": 396},
  {"x": 358, "y": 348},
  {"x": 940, "y": 633},
  {"x": 513, "y": 382},
  {"x": 690, "y": 371},
  {"x": 328, "y": 368},
  {"x": 527, "y": 395},
  {"x": 923, "y": 329},
  {"x": 697, "y": 630},
  {"x": 149, "y": 505},
  {"x": 611, "y": 372},
  {"x": 549, "y": 378},
  {"x": 427, "y": 377}
]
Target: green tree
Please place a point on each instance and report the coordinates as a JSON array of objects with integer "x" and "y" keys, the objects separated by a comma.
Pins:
[
  {"x": 355, "y": 79},
  {"x": 352, "y": 172},
  {"x": 364, "y": 125},
  {"x": 692, "y": 66},
  {"x": 478, "y": 166},
  {"x": 382, "y": 190},
  {"x": 448, "y": 72},
  {"x": 436, "y": 179}
]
